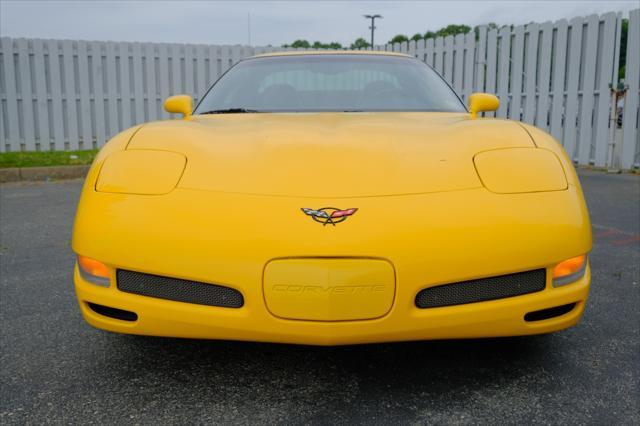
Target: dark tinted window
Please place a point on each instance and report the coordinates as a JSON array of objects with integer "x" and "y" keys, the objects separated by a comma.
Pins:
[{"x": 307, "y": 83}]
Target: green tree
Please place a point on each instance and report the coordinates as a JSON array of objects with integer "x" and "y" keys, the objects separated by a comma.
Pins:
[
  {"x": 332, "y": 45},
  {"x": 429, "y": 34},
  {"x": 399, "y": 39},
  {"x": 447, "y": 31},
  {"x": 359, "y": 44},
  {"x": 453, "y": 30},
  {"x": 300, "y": 44},
  {"x": 304, "y": 44}
]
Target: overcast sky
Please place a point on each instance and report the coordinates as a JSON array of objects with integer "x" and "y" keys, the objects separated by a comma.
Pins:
[{"x": 272, "y": 22}]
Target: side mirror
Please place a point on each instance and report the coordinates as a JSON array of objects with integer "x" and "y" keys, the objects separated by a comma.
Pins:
[
  {"x": 179, "y": 104},
  {"x": 479, "y": 102}
]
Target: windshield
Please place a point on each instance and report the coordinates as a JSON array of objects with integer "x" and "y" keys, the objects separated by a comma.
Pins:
[{"x": 313, "y": 83}]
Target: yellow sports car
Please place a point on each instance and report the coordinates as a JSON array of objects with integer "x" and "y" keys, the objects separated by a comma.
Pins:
[{"x": 332, "y": 198}]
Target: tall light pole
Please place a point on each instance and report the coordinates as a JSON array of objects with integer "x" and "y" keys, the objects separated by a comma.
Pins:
[{"x": 373, "y": 25}]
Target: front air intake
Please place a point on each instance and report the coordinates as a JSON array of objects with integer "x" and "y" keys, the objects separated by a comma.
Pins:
[
  {"x": 482, "y": 289},
  {"x": 549, "y": 313},
  {"x": 115, "y": 313},
  {"x": 178, "y": 290}
]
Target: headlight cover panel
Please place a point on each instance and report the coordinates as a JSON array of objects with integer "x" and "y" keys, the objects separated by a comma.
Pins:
[
  {"x": 520, "y": 170},
  {"x": 144, "y": 172}
]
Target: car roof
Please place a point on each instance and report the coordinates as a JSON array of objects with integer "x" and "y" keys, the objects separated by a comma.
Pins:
[{"x": 331, "y": 52}]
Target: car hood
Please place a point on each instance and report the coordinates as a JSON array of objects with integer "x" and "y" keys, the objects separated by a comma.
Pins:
[{"x": 330, "y": 155}]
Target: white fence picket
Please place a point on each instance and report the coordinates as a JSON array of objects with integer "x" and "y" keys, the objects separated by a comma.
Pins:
[
  {"x": 40, "y": 102},
  {"x": 558, "y": 80},
  {"x": 412, "y": 48},
  {"x": 163, "y": 77},
  {"x": 573, "y": 69},
  {"x": 468, "y": 65},
  {"x": 587, "y": 86},
  {"x": 421, "y": 50},
  {"x": 10, "y": 101},
  {"x": 124, "y": 87},
  {"x": 491, "y": 70},
  {"x": 631, "y": 136},
  {"x": 98, "y": 92},
  {"x": 429, "y": 51},
  {"x": 82, "y": 65},
  {"x": 544, "y": 76},
  {"x": 448, "y": 59},
  {"x": 404, "y": 47},
  {"x": 176, "y": 59},
  {"x": 138, "y": 90},
  {"x": 200, "y": 84},
  {"x": 517, "y": 61},
  {"x": 71, "y": 93},
  {"x": 151, "y": 90},
  {"x": 438, "y": 54},
  {"x": 25, "y": 94},
  {"x": 606, "y": 74},
  {"x": 189, "y": 80},
  {"x": 56, "y": 78},
  {"x": 480, "y": 58},
  {"x": 504, "y": 41},
  {"x": 112, "y": 90},
  {"x": 457, "y": 61},
  {"x": 530, "y": 73}
]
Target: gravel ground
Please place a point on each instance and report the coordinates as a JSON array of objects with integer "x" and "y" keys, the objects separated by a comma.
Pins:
[{"x": 57, "y": 369}]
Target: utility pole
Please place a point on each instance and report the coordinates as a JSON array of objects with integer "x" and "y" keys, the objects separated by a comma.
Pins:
[{"x": 373, "y": 25}]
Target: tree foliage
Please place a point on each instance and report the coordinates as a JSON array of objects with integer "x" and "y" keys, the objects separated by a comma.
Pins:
[
  {"x": 449, "y": 30},
  {"x": 452, "y": 29},
  {"x": 429, "y": 34},
  {"x": 332, "y": 45},
  {"x": 400, "y": 38},
  {"x": 359, "y": 44},
  {"x": 304, "y": 44}
]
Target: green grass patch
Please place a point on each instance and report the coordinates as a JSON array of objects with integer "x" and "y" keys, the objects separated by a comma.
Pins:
[{"x": 46, "y": 158}]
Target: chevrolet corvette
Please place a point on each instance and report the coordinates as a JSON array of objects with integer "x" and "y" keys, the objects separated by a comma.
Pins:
[{"x": 332, "y": 198}]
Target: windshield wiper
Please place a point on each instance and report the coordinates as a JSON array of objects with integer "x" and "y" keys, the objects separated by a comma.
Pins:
[{"x": 230, "y": 111}]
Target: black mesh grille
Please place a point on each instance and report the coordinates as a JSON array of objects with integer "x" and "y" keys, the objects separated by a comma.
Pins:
[
  {"x": 482, "y": 289},
  {"x": 178, "y": 290}
]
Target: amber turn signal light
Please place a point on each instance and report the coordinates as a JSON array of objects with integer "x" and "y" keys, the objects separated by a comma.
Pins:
[
  {"x": 93, "y": 271},
  {"x": 569, "y": 270}
]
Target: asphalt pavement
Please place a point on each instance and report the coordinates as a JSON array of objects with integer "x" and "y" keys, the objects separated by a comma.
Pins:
[{"x": 54, "y": 368}]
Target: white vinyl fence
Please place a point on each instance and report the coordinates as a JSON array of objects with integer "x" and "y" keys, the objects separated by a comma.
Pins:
[
  {"x": 630, "y": 150},
  {"x": 64, "y": 94}
]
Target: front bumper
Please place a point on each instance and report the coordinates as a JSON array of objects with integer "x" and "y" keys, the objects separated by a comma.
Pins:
[
  {"x": 253, "y": 322},
  {"x": 430, "y": 239}
]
